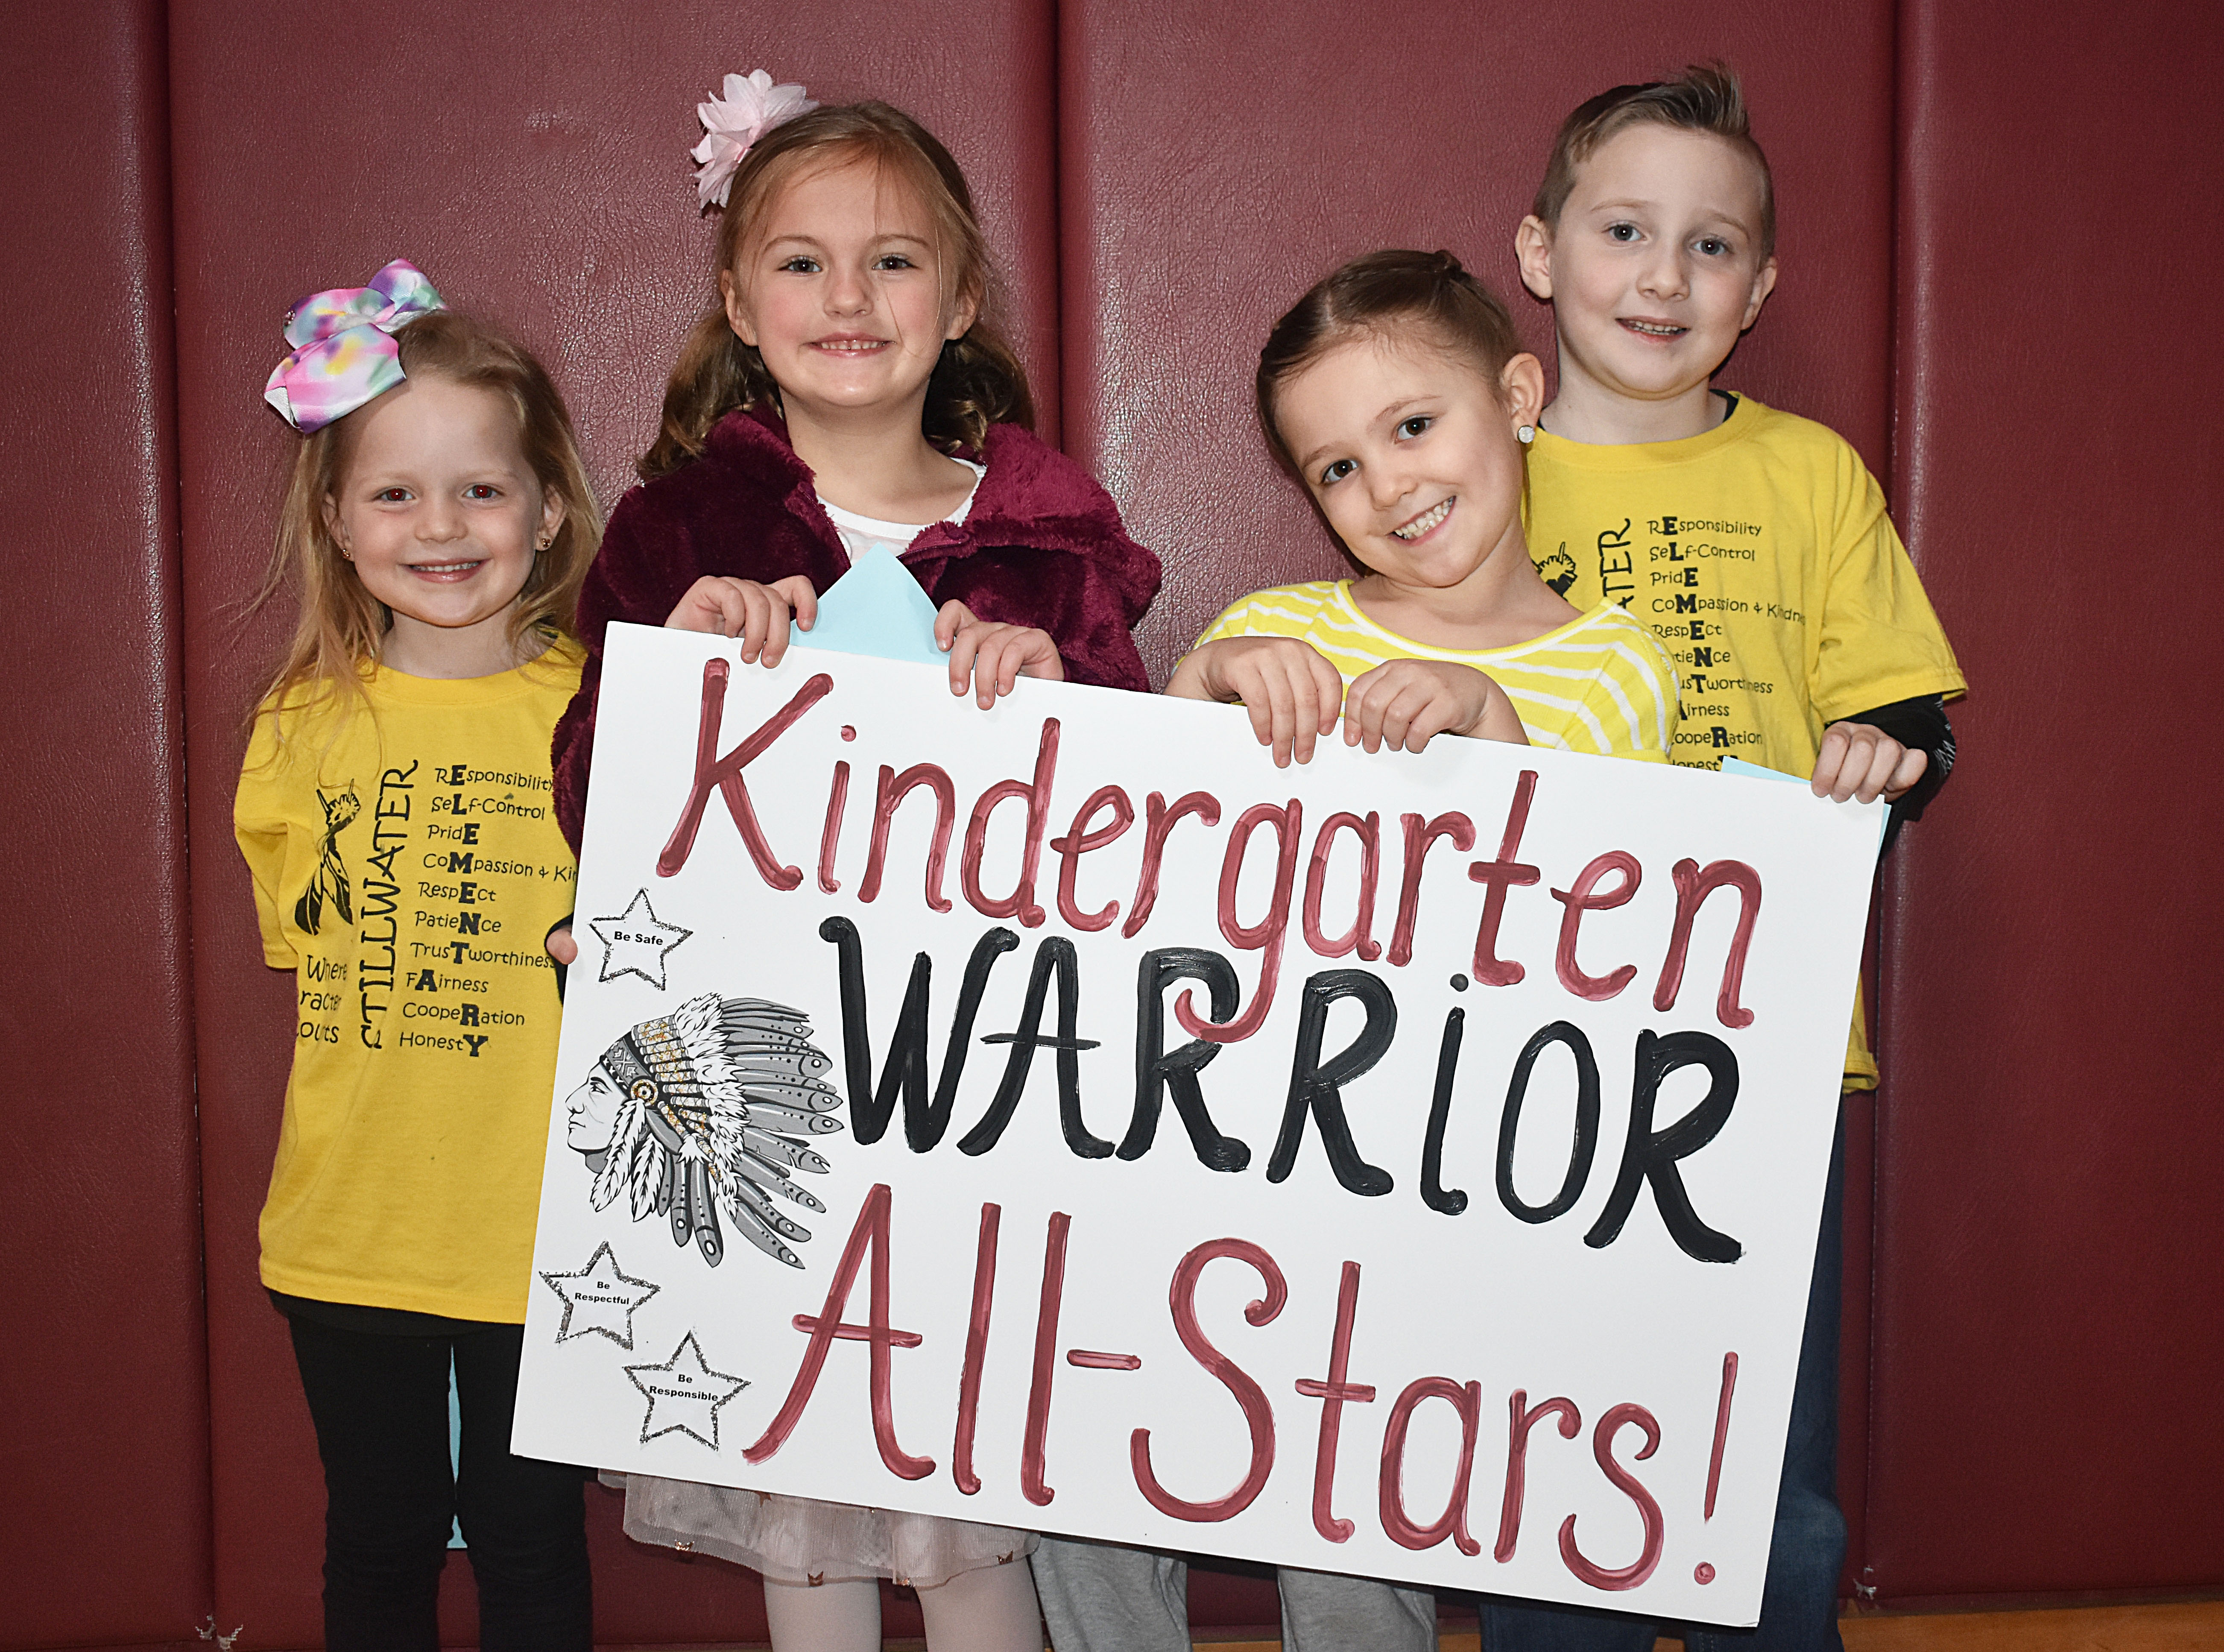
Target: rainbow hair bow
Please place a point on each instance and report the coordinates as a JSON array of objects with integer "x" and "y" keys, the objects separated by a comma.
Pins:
[{"x": 344, "y": 351}]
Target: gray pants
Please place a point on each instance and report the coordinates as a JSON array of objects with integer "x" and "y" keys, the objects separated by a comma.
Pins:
[{"x": 1104, "y": 1598}]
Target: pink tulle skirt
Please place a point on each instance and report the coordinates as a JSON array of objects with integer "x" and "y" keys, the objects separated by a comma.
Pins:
[{"x": 800, "y": 1539}]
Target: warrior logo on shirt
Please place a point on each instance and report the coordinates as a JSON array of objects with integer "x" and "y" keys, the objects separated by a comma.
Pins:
[
  {"x": 1558, "y": 570},
  {"x": 329, "y": 880},
  {"x": 707, "y": 1110}
]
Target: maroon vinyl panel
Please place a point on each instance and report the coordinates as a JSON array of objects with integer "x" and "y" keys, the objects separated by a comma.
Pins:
[
  {"x": 102, "y": 1436},
  {"x": 2048, "y": 1359},
  {"x": 1216, "y": 160},
  {"x": 533, "y": 160}
]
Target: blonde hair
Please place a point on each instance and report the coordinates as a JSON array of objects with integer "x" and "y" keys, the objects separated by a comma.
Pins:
[
  {"x": 1705, "y": 98},
  {"x": 979, "y": 381},
  {"x": 342, "y": 625}
]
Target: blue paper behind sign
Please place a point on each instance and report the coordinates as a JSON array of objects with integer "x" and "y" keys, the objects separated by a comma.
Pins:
[
  {"x": 876, "y": 608},
  {"x": 1754, "y": 771},
  {"x": 455, "y": 1449}
]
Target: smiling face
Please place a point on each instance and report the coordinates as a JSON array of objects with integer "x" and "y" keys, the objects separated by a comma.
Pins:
[
  {"x": 843, "y": 291},
  {"x": 440, "y": 513},
  {"x": 1412, "y": 455},
  {"x": 1654, "y": 267}
]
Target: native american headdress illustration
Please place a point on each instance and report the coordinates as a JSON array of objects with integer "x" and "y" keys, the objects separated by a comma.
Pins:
[
  {"x": 1558, "y": 570},
  {"x": 329, "y": 882},
  {"x": 708, "y": 1110}
]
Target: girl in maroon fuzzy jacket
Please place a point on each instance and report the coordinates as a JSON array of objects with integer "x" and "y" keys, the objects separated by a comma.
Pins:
[
  {"x": 845, "y": 392},
  {"x": 846, "y": 389}
]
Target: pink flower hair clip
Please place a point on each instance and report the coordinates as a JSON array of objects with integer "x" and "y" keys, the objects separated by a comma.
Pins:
[{"x": 751, "y": 107}]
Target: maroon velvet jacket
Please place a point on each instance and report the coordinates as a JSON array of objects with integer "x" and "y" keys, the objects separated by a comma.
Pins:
[{"x": 1042, "y": 546}]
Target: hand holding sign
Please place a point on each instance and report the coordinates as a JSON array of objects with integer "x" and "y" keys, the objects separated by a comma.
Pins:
[
  {"x": 995, "y": 655},
  {"x": 759, "y": 614}
]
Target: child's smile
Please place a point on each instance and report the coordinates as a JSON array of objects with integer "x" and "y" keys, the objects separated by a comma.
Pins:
[
  {"x": 1427, "y": 523},
  {"x": 444, "y": 572}
]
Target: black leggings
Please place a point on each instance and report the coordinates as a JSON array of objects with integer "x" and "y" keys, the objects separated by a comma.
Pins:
[{"x": 381, "y": 1408}]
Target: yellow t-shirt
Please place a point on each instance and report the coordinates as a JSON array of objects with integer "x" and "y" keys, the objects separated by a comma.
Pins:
[
  {"x": 1598, "y": 684},
  {"x": 1760, "y": 554},
  {"x": 407, "y": 867}
]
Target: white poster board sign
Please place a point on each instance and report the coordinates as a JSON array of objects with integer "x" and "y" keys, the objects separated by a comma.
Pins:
[{"x": 1059, "y": 1117}]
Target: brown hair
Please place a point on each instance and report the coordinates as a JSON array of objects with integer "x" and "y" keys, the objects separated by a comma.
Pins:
[
  {"x": 1705, "y": 98},
  {"x": 979, "y": 381},
  {"x": 341, "y": 624},
  {"x": 1384, "y": 293}
]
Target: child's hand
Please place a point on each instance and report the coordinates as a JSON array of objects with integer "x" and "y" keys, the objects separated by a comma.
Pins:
[
  {"x": 1407, "y": 703},
  {"x": 1289, "y": 688},
  {"x": 995, "y": 656},
  {"x": 758, "y": 614},
  {"x": 1859, "y": 761},
  {"x": 561, "y": 947}
]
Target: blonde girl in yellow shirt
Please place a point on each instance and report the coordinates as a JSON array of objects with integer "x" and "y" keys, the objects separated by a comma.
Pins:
[
  {"x": 1396, "y": 392},
  {"x": 395, "y": 813}
]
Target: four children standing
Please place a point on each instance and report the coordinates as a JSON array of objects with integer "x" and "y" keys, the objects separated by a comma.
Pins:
[{"x": 1531, "y": 571}]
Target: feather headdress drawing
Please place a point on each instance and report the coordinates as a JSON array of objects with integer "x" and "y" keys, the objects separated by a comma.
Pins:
[
  {"x": 706, "y": 1111},
  {"x": 329, "y": 880}
]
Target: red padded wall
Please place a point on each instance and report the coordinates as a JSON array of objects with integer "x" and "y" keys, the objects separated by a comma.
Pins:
[
  {"x": 102, "y": 1385},
  {"x": 1216, "y": 160},
  {"x": 2049, "y": 1361},
  {"x": 533, "y": 160}
]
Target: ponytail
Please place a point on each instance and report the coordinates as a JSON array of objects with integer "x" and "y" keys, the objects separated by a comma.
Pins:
[
  {"x": 715, "y": 374},
  {"x": 978, "y": 383}
]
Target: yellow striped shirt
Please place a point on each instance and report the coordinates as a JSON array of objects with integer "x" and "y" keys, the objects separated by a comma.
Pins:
[{"x": 1599, "y": 683}]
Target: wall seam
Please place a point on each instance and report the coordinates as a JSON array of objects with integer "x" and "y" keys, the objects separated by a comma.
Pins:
[
  {"x": 1893, "y": 893},
  {"x": 163, "y": 67},
  {"x": 1056, "y": 25}
]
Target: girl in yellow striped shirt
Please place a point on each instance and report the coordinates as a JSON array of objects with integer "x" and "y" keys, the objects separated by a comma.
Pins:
[{"x": 1397, "y": 393}]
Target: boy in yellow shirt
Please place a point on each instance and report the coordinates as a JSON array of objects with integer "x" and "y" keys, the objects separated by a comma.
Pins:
[{"x": 1756, "y": 546}]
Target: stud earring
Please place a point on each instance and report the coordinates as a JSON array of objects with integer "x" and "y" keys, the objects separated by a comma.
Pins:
[{"x": 1526, "y": 433}]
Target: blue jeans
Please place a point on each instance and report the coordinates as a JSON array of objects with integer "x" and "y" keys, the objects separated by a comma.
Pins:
[
  {"x": 1799, "y": 1599},
  {"x": 1109, "y": 1598}
]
